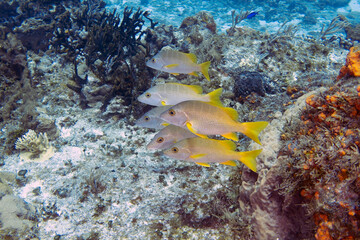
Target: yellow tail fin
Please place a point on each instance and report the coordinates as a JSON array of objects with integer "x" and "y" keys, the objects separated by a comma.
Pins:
[
  {"x": 214, "y": 97},
  {"x": 252, "y": 129},
  {"x": 205, "y": 69},
  {"x": 248, "y": 158}
]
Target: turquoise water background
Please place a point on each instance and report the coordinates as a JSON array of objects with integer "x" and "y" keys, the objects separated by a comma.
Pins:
[{"x": 309, "y": 15}]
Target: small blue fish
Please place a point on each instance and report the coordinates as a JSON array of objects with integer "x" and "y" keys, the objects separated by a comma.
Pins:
[{"x": 251, "y": 15}]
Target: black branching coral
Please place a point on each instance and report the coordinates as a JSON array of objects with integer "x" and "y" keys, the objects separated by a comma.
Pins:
[{"x": 111, "y": 45}]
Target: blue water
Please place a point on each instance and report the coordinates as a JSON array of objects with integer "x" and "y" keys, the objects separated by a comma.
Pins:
[{"x": 308, "y": 15}]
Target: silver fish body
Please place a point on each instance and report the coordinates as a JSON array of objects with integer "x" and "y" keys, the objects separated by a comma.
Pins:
[
  {"x": 174, "y": 93},
  {"x": 203, "y": 151},
  {"x": 168, "y": 136},
  {"x": 175, "y": 62},
  {"x": 151, "y": 119},
  {"x": 203, "y": 119}
]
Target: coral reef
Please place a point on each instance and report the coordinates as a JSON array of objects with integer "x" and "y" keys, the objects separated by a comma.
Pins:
[
  {"x": 252, "y": 82},
  {"x": 328, "y": 172},
  {"x": 33, "y": 22},
  {"x": 34, "y": 146},
  {"x": 13, "y": 65},
  {"x": 26, "y": 26},
  {"x": 317, "y": 168},
  {"x": 17, "y": 94},
  {"x": 352, "y": 65},
  {"x": 202, "y": 18},
  {"x": 17, "y": 217},
  {"x": 353, "y": 32},
  {"x": 103, "y": 184},
  {"x": 337, "y": 24},
  {"x": 237, "y": 18},
  {"x": 112, "y": 48},
  {"x": 199, "y": 36}
]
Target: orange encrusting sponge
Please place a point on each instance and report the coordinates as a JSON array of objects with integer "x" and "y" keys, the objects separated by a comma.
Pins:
[{"x": 352, "y": 65}]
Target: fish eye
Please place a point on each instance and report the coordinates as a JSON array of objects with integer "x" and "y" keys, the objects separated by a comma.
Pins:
[
  {"x": 175, "y": 150},
  {"x": 160, "y": 140},
  {"x": 172, "y": 112},
  {"x": 147, "y": 118},
  {"x": 153, "y": 60},
  {"x": 148, "y": 95}
]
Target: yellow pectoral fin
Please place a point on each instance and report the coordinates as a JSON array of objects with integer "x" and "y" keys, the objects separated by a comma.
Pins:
[
  {"x": 231, "y": 136},
  {"x": 191, "y": 129},
  {"x": 163, "y": 103},
  {"x": 230, "y": 163},
  {"x": 174, "y": 74},
  {"x": 203, "y": 164},
  {"x": 165, "y": 124},
  {"x": 197, "y": 156},
  {"x": 194, "y": 74},
  {"x": 171, "y": 66}
]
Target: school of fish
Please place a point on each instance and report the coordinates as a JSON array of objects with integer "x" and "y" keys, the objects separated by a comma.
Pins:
[{"x": 186, "y": 117}]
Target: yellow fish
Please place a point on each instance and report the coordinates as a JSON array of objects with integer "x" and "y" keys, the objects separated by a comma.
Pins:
[
  {"x": 204, "y": 151},
  {"x": 174, "y": 93},
  {"x": 203, "y": 119},
  {"x": 175, "y": 62}
]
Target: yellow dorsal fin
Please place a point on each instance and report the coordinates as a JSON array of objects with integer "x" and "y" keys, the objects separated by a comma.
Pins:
[
  {"x": 194, "y": 74},
  {"x": 232, "y": 113},
  {"x": 174, "y": 74},
  {"x": 168, "y": 50},
  {"x": 192, "y": 57},
  {"x": 227, "y": 144},
  {"x": 230, "y": 163},
  {"x": 197, "y": 156},
  {"x": 231, "y": 136},
  {"x": 171, "y": 66},
  {"x": 191, "y": 129},
  {"x": 196, "y": 88},
  {"x": 203, "y": 164},
  {"x": 214, "y": 97}
]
